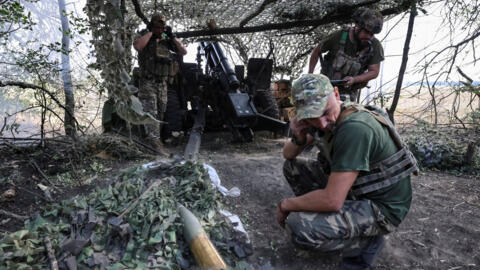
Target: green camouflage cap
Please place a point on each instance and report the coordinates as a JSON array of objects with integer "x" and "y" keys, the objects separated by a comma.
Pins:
[{"x": 310, "y": 95}]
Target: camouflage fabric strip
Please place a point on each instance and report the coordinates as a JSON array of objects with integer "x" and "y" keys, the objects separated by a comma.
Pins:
[{"x": 348, "y": 230}]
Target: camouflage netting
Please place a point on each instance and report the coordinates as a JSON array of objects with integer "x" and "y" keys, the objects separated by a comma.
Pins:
[
  {"x": 113, "y": 23},
  {"x": 445, "y": 148},
  {"x": 86, "y": 230}
]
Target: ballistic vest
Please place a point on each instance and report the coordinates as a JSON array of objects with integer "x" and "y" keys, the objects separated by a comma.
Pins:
[
  {"x": 156, "y": 60},
  {"x": 383, "y": 173},
  {"x": 344, "y": 65}
]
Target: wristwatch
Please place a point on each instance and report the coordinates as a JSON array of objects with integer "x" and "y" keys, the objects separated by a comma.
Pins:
[{"x": 297, "y": 142}]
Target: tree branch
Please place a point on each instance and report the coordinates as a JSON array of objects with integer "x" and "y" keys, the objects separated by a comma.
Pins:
[
  {"x": 464, "y": 75},
  {"x": 403, "y": 66},
  {"x": 33, "y": 86},
  {"x": 12, "y": 215},
  {"x": 139, "y": 12},
  {"x": 339, "y": 15},
  {"x": 259, "y": 10},
  {"x": 456, "y": 46}
]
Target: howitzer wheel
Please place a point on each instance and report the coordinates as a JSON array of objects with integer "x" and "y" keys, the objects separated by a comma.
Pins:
[{"x": 266, "y": 104}]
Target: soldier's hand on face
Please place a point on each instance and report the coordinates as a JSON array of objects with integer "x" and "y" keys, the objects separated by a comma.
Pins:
[
  {"x": 168, "y": 32},
  {"x": 350, "y": 81},
  {"x": 299, "y": 128}
]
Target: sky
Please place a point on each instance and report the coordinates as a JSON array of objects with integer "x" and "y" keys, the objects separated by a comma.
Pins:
[{"x": 428, "y": 36}]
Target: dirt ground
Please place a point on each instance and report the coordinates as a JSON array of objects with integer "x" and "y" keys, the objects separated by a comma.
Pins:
[{"x": 441, "y": 230}]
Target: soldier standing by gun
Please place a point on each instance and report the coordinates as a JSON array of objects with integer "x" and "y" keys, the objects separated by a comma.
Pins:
[
  {"x": 364, "y": 190},
  {"x": 353, "y": 54},
  {"x": 155, "y": 46}
]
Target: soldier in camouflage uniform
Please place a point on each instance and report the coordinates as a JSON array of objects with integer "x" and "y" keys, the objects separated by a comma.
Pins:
[
  {"x": 156, "y": 46},
  {"x": 360, "y": 191},
  {"x": 353, "y": 54}
]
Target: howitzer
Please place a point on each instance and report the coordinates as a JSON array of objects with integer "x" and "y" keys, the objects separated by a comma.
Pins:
[{"x": 218, "y": 97}]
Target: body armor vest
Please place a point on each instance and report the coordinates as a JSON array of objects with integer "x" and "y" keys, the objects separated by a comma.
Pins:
[
  {"x": 156, "y": 60},
  {"x": 383, "y": 173},
  {"x": 344, "y": 65}
]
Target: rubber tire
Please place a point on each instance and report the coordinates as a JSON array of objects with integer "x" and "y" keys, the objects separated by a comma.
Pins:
[
  {"x": 266, "y": 104},
  {"x": 174, "y": 115}
]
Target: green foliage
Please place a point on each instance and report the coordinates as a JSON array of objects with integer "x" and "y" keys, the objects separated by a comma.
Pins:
[
  {"x": 156, "y": 230},
  {"x": 96, "y": 167},
  {"x": 13, "y": 17}
]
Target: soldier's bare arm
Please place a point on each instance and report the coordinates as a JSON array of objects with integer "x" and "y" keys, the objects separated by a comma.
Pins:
[
  {"x": 142, "y": 41},
  {"x": 372, "y": 73},
  {"x": 299, "y": 129},
  {"x": 181, "y": 48},
  {"x": 330, "y": 199}
]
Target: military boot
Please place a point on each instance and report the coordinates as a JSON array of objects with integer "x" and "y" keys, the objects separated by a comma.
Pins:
[{"x": 367, "y": 258}]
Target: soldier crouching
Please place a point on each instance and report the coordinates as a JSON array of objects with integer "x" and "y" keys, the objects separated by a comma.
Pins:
[{"x": 359, "y": 190}]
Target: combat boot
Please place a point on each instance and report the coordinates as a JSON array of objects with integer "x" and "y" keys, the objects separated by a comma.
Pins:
[{"x": 367, "y": 258}]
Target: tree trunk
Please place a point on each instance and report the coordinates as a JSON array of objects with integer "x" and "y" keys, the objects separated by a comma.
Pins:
[
  {"x": 403, "y": 66},
  {"x": 69, "y": 122},
  {"x": 470, "y": 153}
]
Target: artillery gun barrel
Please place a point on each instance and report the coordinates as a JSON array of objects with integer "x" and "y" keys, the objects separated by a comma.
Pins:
[
  {"x": 195, "y": 138},
  {"x": 202, "y": 248},
  {"x": 216, "y": 58}
]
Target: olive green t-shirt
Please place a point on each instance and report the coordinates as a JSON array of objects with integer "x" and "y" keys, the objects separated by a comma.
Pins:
[
  {"x": 360, "y": 140},
  {"x": 332, "y": 45}
]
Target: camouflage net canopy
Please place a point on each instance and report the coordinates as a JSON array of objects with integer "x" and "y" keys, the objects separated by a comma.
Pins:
[{"x": 113, "y": 24}]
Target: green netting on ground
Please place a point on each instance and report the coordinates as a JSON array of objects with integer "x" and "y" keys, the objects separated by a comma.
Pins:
[
  {"x": 86, "y": 230},
  {"x": 444, "y": 148}
]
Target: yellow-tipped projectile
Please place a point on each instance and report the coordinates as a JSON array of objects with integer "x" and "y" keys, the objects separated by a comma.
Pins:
[{"x": 203, "y": 250}]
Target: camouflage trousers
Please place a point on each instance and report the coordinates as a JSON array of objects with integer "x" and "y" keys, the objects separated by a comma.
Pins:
[
  {"x": 349, "y": 230},
  {"x": 153, "y": 95}
]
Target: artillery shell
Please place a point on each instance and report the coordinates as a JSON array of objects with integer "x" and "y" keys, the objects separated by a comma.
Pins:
[{"x": 202, "y": 248}]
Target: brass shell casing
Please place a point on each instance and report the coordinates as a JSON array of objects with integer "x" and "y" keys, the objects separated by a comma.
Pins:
[
  {"x": 205, "y": 253},
  {"x": 206, "y": 256}
]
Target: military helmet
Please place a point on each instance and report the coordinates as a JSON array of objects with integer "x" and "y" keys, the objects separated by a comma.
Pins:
[
  {"x": 310, "y": 94},
  {"x": 157, "y": 17},
  {"x": 368, "y": 19}
]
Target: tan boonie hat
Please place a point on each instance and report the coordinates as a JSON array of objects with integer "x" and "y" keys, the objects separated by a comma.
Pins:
[{"x": 310, "y": 95}]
